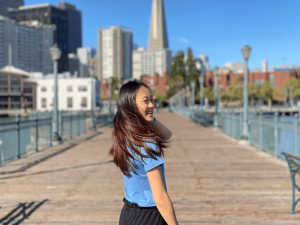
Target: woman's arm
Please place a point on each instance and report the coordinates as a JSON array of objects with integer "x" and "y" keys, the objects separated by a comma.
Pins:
[
  {"x": 159, "y": 128},
  {"x": 161, "y": 198}
]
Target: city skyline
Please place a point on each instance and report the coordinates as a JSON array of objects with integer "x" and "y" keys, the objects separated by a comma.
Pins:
[{"x": 215, "y": 28}]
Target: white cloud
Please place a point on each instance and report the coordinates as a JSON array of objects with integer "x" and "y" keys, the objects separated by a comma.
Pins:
[{"x": 184, "y": 40}]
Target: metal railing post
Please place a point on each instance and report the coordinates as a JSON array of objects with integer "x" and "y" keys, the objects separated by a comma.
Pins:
[
  {"x": 60, "y": 122},
  {"x": 78, "y": 124},
  {"x": 36, "y": 138},
  {"x": 18, "y": 135},
  {"x": 260, "y": 131},
  {"x": 276, "y": 118},
  {"x": 296, "y": 134},
  {"x": 84, "y": 118},
  {"x": 70, "y": 126},
  {"x": 50, "y": 133}
]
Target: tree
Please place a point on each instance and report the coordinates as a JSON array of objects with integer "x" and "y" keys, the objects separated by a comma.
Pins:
[
  {"x": 158, "y": 96},
  {"x": 266, "y": 91},
  {"x": 114, "y": 87},
  {"x": 253, "y": 91},
  {"x": 191, "y": 69},
  {"x": 295, "y": 83}
]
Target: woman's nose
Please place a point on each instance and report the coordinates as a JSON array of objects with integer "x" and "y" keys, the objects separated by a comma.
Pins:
[{"x": 151, "y": 105}]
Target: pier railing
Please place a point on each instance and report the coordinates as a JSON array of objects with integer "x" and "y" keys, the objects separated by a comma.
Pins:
[
  {"x": 269, "y": 133},
  {"x": 21, "y": 137}
]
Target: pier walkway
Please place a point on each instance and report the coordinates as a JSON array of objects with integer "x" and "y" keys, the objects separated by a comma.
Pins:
[{"x": 211, "y": 179}]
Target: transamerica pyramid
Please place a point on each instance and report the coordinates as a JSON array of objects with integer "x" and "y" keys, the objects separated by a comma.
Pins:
[{"x": 158, "y": 37}]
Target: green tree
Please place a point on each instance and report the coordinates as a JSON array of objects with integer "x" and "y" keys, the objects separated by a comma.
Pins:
[
  {"x": 266, "y": 91},
  {"x": 253, "y": 92},
  {"x": 114, "y": 88},
  {"x": 191, "y": 69},
  {"x": 295, "y": 83},
  {"x": 158, "y": 96}
]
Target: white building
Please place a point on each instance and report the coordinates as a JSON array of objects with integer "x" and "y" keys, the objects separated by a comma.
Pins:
[
  {"x": 25, "y": 45},
  {"x": 147, "y": 62},
  {"x": 73, "y": 93},
  {"x": 115, "y": 52},
  {"x": 202, "y": 64},
  {"x": 158, "y": 57},
  {"x": 264, "y": 65},
  {"x": 235, "y": 67}
]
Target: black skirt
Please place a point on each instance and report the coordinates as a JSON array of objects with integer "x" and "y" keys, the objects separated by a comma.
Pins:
[{"x": 133, "y": 214}]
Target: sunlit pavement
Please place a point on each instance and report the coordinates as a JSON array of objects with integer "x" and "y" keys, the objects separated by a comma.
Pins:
[{"x": 211, "y": 179}]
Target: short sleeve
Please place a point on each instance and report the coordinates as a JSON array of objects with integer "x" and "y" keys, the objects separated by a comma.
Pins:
[{"x": 151, "y": 163}]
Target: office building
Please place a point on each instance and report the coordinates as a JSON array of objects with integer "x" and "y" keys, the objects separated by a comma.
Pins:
[
  {"x": 202, "y": 64},
  {"x": 264, "y": 65},
  {"x": 115, "y": 52},
  {"x": 25, "y": 45},
  {"x": 6, "y": 4},
  {"x": 94, "y": 62},
  {"x": 60, "y": 17},
  {"x": 157, "y": 58},
  {"x": 74, "y": 26},
  {"x": 74, "y": 64}
]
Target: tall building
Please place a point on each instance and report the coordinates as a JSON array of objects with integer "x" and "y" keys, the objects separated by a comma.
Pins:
[
  {"x": 74, "y": 26},
  {"x": 264, "y": 65},
  {"x": 74, "y": 64},
  {"x": 25, "y": 45},
  {"x": 5, "y": 4},
  {"x": 115, "y": 52},
  {"x": 66, "y": 19},
  {"x": 94, "y": 62},
  {"x": 157, "y": 58}
]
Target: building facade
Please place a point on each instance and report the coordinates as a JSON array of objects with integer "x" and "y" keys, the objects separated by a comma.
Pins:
[
  {"x": 6, "y": 4},
  {"x": 157, "y": 58},
  {"x": 73, "y": 93},
  {"x": 148, "y": 62},
  {"x": 16, "y": 91},
  {"x": 94, "y": 62},
  {"x": 74, "y": 26},
  {"x": 25, "y": 45},
  {"x": 115, "y": 52},
  {"x": 51, "y": 15},
  {"x": 157, "y": 82}
]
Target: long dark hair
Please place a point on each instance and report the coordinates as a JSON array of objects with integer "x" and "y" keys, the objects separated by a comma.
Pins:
[{"x": 132, "y": 131}]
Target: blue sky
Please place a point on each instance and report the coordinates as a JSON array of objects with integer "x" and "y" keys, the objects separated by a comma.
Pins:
[{"x": 217, "y": 28}]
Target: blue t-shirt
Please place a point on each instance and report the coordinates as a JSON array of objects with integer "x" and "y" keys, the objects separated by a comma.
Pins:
[{"x": 137, "y": 187}]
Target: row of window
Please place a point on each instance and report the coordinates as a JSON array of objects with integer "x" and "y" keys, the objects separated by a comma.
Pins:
[
  {"x": 81, "y": 88},
  {"x": 83, "y": 103}
]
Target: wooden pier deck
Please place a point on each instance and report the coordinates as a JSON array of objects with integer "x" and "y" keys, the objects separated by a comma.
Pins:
[{"x": 211, "y": 179}]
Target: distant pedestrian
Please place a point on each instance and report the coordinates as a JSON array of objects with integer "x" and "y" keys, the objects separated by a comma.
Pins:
[
  {"x": 138, "y": 146},
  {"x": 157, "y": 106}
]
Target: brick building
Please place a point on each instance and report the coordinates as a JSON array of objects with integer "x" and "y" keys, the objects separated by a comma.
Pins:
[{"x": 157, "y": 82}]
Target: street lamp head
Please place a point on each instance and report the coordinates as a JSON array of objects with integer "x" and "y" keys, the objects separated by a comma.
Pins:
[
  {"x": 55, "y": 53},
  {"x": 246, "y": 50},
  {"x": 193, "y": 84},
  {"x": 201, "y": 79},
  {"x": 216, "y": 70}
]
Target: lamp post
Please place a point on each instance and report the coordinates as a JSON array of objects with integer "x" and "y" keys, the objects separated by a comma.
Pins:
[
  {"x": 246, "y": 50},
  {"x": 215, "y": 70},
  {"x": 55, "y": 56},
  {"x": 201, "y": 81},
  {"x": 109, "y": 96},
  {"x": 92, "y": 123},
  {"x": 187, "y": 91},
  {"x": 193, "y": 92},
  {"x": 285, "y": 96},
  {"x": 291, "y": 96}
]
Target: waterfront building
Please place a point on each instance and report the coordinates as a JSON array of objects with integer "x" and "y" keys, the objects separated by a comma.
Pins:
[
  {"x": 25, "y": 45},
  {"x": 73, "y": 93},
  {"x": 60, "y": 17},
  {"x": 157, "y": 58},
  {"x": 16, "y": 90},
  {"x": 6, "y": 4},
  {"x": 157, "y": 82},
  {"x": 115, "y": 52}
]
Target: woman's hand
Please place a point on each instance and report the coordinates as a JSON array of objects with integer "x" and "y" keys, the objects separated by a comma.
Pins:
[{"x": 159, "y": 128}]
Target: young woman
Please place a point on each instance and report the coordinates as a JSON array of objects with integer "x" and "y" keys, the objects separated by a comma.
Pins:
[{"x": 138, "y": 142}]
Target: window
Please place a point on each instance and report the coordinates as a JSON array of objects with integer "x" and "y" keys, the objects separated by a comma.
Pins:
[
  {"x": 82, "y": 88},
  {"x": 15, "y": 98},
  {"x": 83, "y": 102},
  {"x": 43, "y": 89},
  {"x": 44, "y": 102},
  {"x": 69, "y": 88},
  {"x": 70, "y": 102}
]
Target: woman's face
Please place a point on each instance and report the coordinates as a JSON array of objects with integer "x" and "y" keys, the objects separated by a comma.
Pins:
[{"x": 144, "y": 103}]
